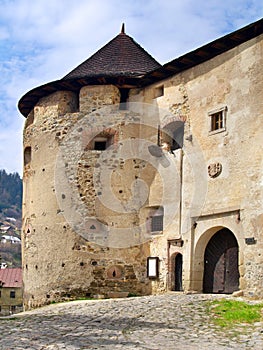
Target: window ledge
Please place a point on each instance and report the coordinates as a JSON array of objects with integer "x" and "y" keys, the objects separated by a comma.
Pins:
[
  {"x": 156, "y": 233},
  {"x": 218, "y": 131}
]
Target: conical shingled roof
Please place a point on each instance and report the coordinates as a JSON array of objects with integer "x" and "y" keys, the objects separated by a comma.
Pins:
[{"x": 122, "y": 56}]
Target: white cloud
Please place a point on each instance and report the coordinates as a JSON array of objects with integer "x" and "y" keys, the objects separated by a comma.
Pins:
[{"x": 43, "y": 40}]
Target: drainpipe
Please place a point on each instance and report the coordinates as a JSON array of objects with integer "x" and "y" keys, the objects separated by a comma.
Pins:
[{"x": 181, "y": 193}]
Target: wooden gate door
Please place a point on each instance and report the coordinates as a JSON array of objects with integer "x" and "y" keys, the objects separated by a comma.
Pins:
[{"x": 221, "y": 263}]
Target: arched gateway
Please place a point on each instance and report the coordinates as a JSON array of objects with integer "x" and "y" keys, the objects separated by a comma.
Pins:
[{"x": 221, "y": 273}]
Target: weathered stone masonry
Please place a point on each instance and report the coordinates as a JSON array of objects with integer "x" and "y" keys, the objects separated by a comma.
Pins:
[{"x": 208, "y": 130}]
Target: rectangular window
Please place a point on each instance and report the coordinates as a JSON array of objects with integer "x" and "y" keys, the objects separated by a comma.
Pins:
[
  {"x": 100, "y": 145},
  {"x": 124, "y": 99},
  {"x": 157, "y": 223},
  {"x": 155, "y": 220},
  {"x": 12, "y": 294},
  {"x": 217, "y": 120},
  {"x": 159, "y": 91}
]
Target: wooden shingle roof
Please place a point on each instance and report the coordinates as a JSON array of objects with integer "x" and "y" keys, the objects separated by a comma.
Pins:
[
  {"x": 122, "y": 56},
  {"x": 125, "y": 64}
]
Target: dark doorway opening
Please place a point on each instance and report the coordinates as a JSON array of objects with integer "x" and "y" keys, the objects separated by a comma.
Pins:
[
  {"x": 178, "y": 267},
  {"x": 124, "y": 99},
  {"x": 221, "y": 273}
]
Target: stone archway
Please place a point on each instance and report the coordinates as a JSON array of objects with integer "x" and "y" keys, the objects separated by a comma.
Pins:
[{"x": 221, "y": 273}]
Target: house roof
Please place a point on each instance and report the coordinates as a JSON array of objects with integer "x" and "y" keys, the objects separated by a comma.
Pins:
[
  {"x": 122, "y": 70},
  {"x": 11, "y": 238},
  {"x": 122, "y": 56},
  {"x": 11, "y": 278}
]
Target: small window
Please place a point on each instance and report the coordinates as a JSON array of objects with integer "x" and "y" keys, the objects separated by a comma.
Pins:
[
  {"x": 124, "y": 99},
  {"x": 27, "y": 155},
  {"x": 12, "y": 294},
  {"x": 159, "y": 91},
  {"x": 0, "y": 293},
  {"x": 29, "y": 119},
  {"x": 157, "y": 223},
  {"x": 100, "y": 145},
  {"x": 156, "y": 220},
  {"x": 13, "y": 308},
  {"x": 217, "y": 120}
]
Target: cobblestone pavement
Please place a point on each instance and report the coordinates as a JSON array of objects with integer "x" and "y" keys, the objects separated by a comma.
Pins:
[{"x": 171, "y": 321}]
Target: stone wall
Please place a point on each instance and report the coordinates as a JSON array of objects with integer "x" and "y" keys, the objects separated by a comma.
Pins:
[
  {"x": 58, "y": 262},
  {"x": 211, "y": 183}
]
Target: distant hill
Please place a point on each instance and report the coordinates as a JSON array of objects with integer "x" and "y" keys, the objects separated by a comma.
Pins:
[
  {"x": 10, "y": 194},
  {"x": 10, "y": 217}
]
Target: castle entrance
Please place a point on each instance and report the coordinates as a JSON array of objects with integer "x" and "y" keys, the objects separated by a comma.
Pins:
[{"x": 221, "y": 273}]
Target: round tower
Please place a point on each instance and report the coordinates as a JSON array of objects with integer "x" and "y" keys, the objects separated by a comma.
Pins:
[{"x": 86, "y": 212}]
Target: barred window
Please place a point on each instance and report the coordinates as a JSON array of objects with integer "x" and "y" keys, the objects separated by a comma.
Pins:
[
  {"x": 157, "y": 223},
  {"x": 155, "y": 220}
]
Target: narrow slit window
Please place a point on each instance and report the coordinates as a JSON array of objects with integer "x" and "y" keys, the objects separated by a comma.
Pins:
[
  {"x": 27, "y": 155},
  {"x": 124, "y": 99}
]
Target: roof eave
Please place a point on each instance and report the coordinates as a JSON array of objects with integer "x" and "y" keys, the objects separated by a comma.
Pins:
[
  {"x": 27, "y": 102},
  {"x": 205, "y": 53}
]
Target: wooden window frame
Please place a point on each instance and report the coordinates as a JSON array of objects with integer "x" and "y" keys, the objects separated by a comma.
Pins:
[{"x": 217, "y": 120}]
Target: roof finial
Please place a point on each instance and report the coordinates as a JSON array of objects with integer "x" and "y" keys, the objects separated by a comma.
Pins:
[{"x": 123, "y": 28}]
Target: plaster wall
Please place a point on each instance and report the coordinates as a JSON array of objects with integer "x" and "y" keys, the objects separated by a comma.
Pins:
[{"x": 234, "y": 198}]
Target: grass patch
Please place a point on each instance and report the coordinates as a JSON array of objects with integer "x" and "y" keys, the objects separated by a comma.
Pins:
[
  {"x": 130, "y": 295},
  {"x": 228, "y": 313}
]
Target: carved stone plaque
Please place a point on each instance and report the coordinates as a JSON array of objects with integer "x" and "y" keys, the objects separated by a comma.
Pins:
[{"x": 214, "y": 169}]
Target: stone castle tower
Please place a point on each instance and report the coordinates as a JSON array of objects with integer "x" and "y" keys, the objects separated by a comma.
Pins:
[{"x": 139, "y": 178}]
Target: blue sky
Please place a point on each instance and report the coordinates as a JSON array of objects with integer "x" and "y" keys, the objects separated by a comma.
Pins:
[{"x": 41, "y": 41}]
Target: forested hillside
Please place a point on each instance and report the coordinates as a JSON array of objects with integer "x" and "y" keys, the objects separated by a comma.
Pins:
[
  {"x": 10, "y": 193},
  {"x": 10, "y": 218}
]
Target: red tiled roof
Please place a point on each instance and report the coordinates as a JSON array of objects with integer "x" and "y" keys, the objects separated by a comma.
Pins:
[
  {"x": 11, "y": 278},
  {"x": 122, "y": 56}
]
